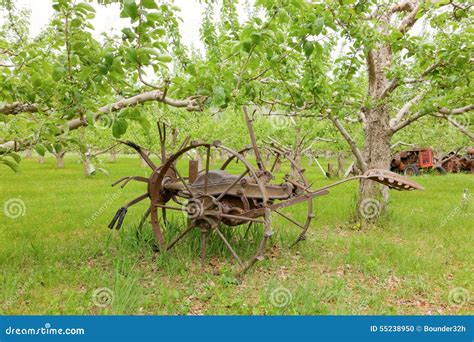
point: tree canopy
(318, 67)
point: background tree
(371, 70)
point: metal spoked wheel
(294, 175)
(208, 200)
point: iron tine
(121, 218)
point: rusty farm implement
(217, 200)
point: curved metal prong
(128, 179)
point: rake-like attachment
(214, 200)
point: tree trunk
(199, 157)
(214, 153)
(222, 155)
(331, 173)
(113, 155)
(28, 153)
(341, 160)
(296, 153)
(89, 169)
(60, 160)
(174, 137)
(297, 159)
(377, 132)
(40, 159)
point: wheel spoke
(261, 250)
(145, 216)
(163, 215)
(136, 200)
(175, 169)
(168, 207)
(289, 219)
(232, 185)
(155, 223)
(248, 229)
(228, 189)
(229, 247)
(180, 236)
(206, 180)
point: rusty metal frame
(225, 199)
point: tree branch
(407, 122)
(17, 108)
(425, 73)
(410, 19)
(405, 109)
(445, 113)
(192, 103)
(355, 150)
(456, 111)
(403, 6)
(460, 127)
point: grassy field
(59, 252)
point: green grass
(60, 251)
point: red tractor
(412, 161)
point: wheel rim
(302, 180)
(160, 198)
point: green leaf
(75, 22)
(130, 113)
(83, 7)
(149, 4)
(119, 128)
(308, 48)
(36, 80)
(130, 10)
(247, 46)
(90, 118)
(132, 55)
(318, 26)
(40, 149)
(164, 58)
(153, 16)
(256, 38)
(129, 34)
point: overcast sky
(108, 18)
